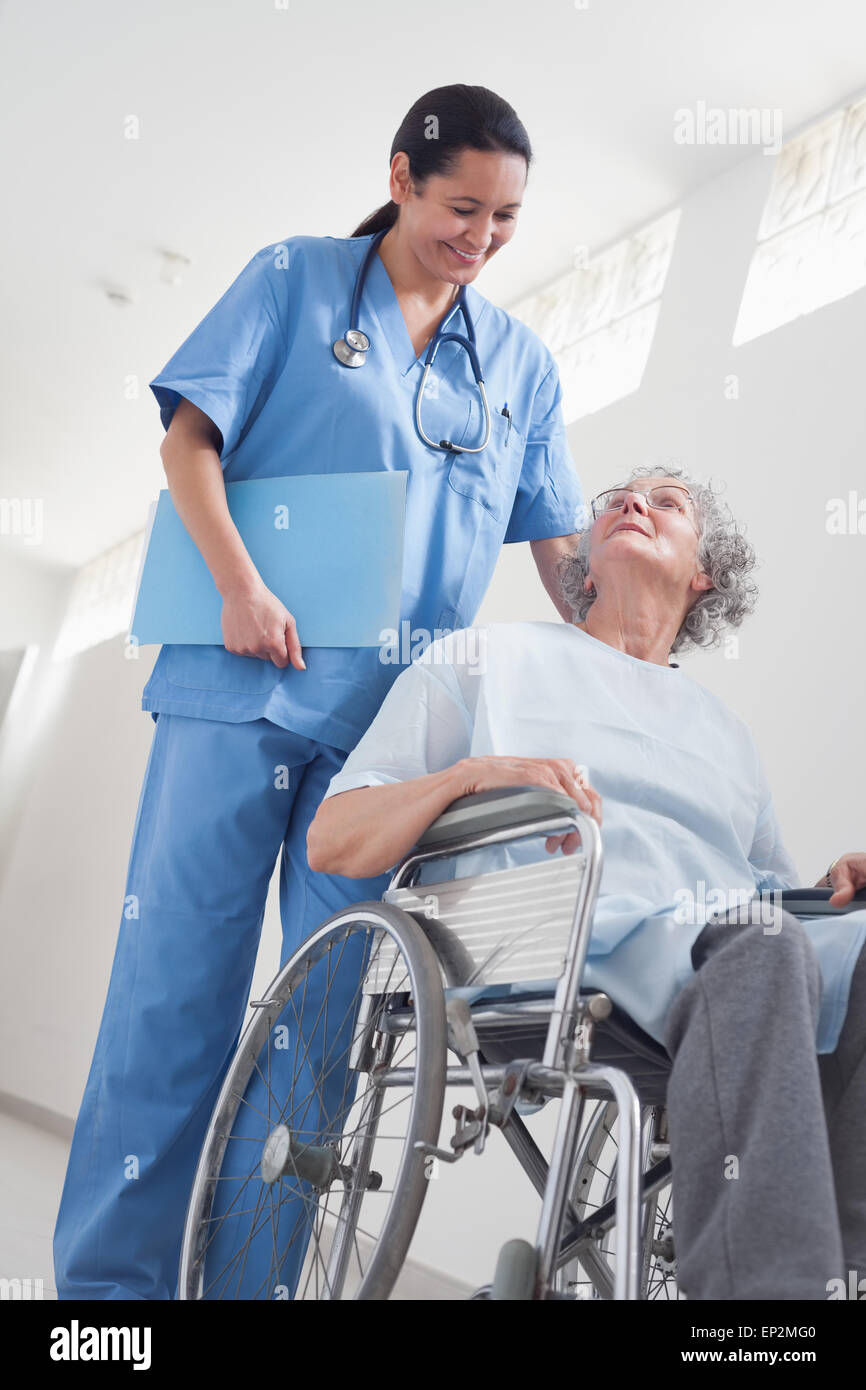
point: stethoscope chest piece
(352, 350)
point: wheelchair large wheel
(594, 1185)
(309, 1184)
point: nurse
(249, 734)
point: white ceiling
(258, 122)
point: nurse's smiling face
(455, 222)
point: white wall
(60, 895)
(792, 439)
(61, 898)
(33, 601)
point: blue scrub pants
(212, 816)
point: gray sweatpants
(768, 1139)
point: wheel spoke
(594, 1185)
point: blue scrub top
(261, 366)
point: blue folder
(330, 546)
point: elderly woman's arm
(365, 831)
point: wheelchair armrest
(494, 810)
(815, 902)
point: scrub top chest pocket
(490, 478)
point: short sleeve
(424, 724)
(549, 499)
(772, 864)
(228, 365)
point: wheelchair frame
(565, 1070)
(573, 1026)
(570, 1024)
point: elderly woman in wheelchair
(662, 967)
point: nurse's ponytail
(438, 127)
(383, 217)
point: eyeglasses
(666, 498)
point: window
(812, 239)
(599, 320)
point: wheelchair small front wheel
(310, 1180)
(516, 1272)
(594, 1186)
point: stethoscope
(352, 349)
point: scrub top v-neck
(261, 366)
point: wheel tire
(516, 1272)
(422, 981)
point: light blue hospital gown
(687, 813)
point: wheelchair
(329, 1117)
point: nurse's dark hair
(438, 127)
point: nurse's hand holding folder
(246, 570)
(254, 621)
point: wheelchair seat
(617, 1040)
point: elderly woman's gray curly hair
(724, 554)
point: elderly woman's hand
(847, 875)
(560, 774)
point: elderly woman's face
(633, 532)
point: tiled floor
(32, 1169)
